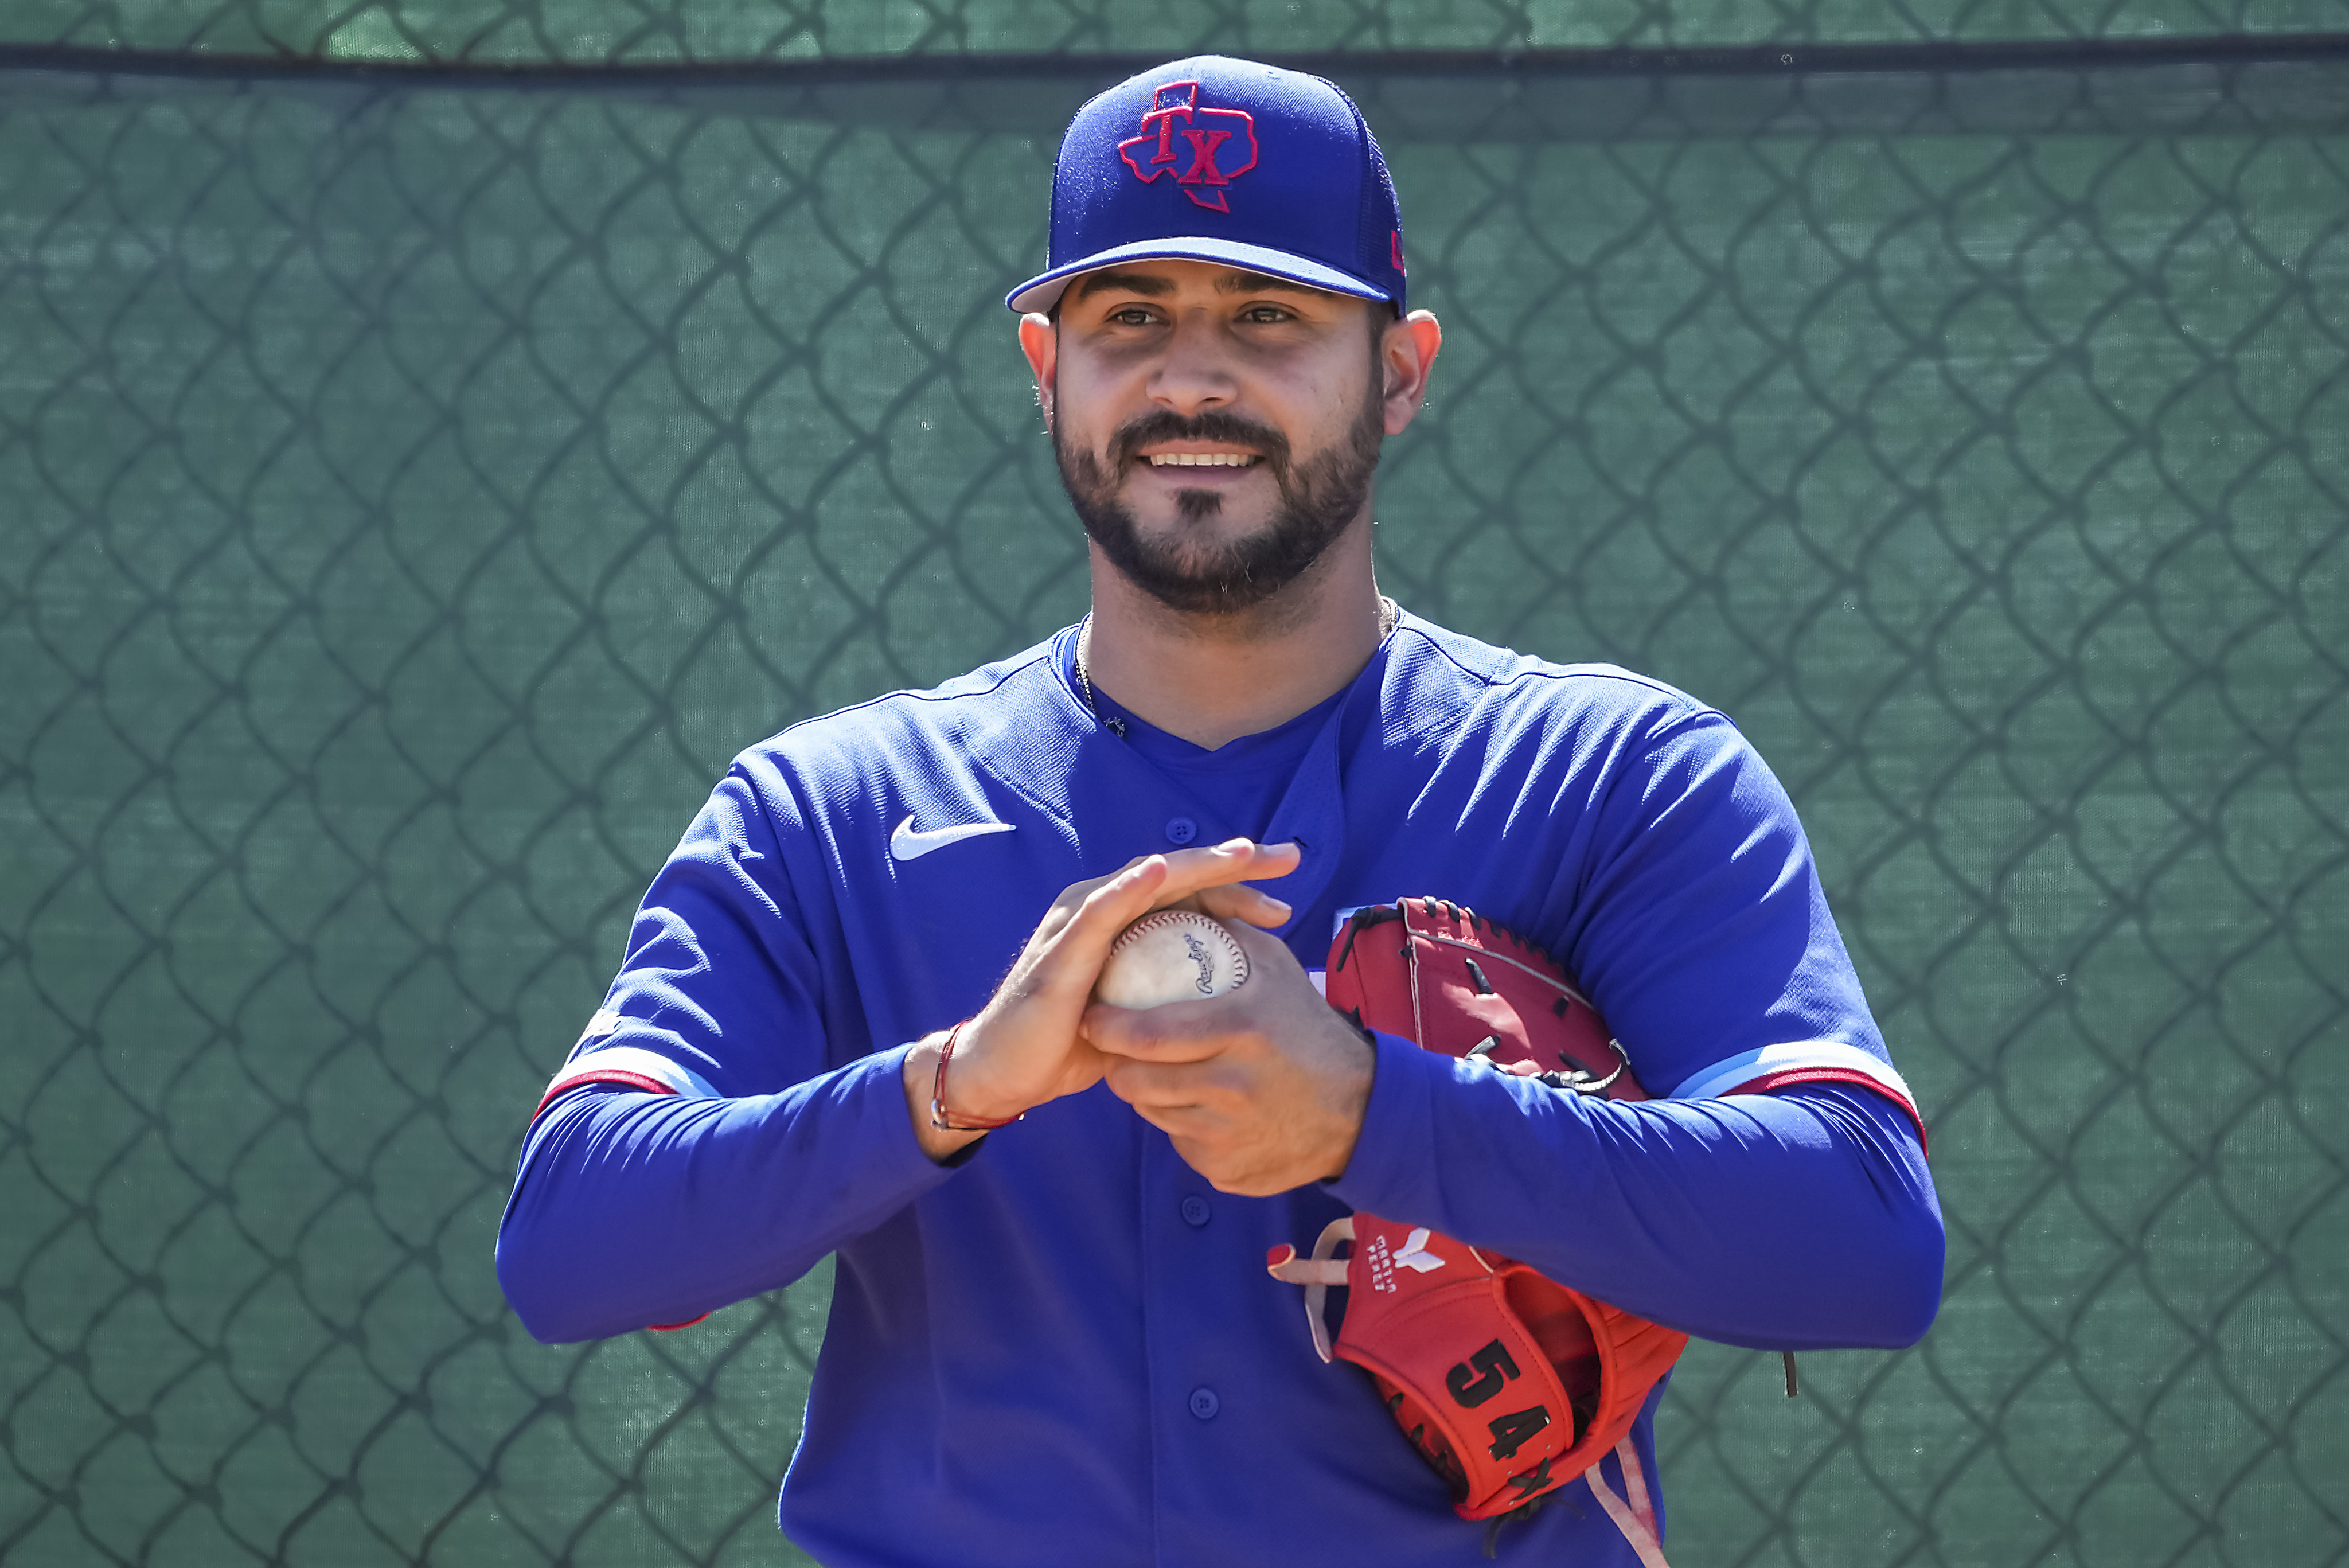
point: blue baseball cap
(1217, 159)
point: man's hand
(1024, 1047)
(1262, 1088)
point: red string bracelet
(938, 1116)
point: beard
(1318, 499)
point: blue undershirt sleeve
(635, 1208)
(787, 1133)
(1799, 1219)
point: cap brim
(1040, 292)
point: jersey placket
(1197, 1384)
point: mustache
(1215, 425)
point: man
(1057, 1341)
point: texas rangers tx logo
(1205, 149)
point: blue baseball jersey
(1062, 1345)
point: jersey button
(1195, 1209)
(1204, 1404)
(1181, 830)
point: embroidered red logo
(1205, 149)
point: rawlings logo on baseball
(1171, 956)
(1206, 983)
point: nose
(1196, 373)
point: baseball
(1171, 956)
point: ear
(1407, 354)
(1040, 341)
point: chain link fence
(598, 32)
(412, 494)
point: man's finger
(1158, 881)
(1157, 1088)
(1066, 954)
(1242, 901)
(1193, 872)
(1175, 1032)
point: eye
(1266, 315)
(1132, 316)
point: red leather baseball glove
(1509, 1384)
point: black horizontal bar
(1760, 59)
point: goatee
(1319, 498)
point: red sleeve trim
(602, 1076)
(1787, 1078)
(673, 1327)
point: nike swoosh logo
(907, 845)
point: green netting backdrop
(598, 31)
(412, 494)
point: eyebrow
(1151, 287)
(1140, 283)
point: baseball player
(853, 1016)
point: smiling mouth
(1204, 460)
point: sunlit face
(1216, 429)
